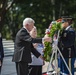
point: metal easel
(56, 71)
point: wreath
(53, 27)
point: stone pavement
(8, 67)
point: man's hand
(47, 39)
(35, 45)
(41, 57)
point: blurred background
(12, 13)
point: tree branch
(9, 5)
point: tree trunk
(3, 9)
(2, 19)
(53, 11)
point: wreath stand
(56, 71)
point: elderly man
(24, 47)
(66, 45)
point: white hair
(27, 21)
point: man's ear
(67, 23)
(26, 26)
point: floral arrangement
(53, 27)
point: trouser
(22, 68)
(63, 67)
(35, 70)
(1, 65)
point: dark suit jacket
(24, 47)
(67, 42)
(1, 49)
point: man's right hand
(47, 39)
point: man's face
(33, 32)
(30, 26)
(65, 24)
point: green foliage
(6, 32)
(48, 46)
(43, 12)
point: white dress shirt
(37, 61)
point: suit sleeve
(35, 52)
(70, 41)
(24, 35)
